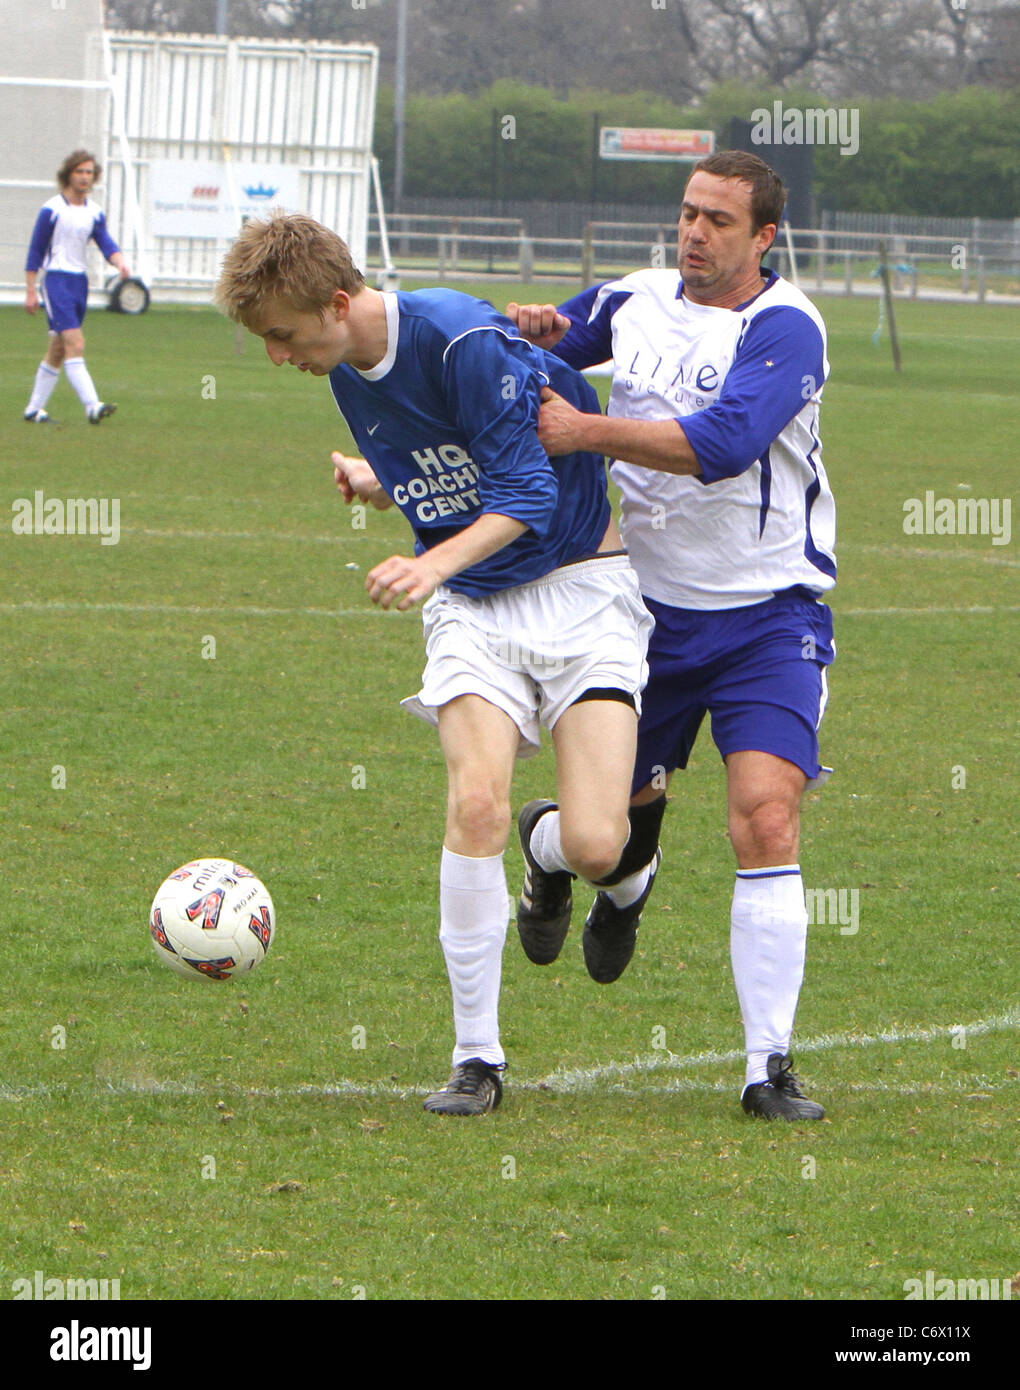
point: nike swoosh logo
(375, 427)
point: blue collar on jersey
(769, 278)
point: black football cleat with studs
(474, 1088)
(780, 1097)
(543, 910)
(610, 932)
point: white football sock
(473, 915)
(545, 844)
(46, 378)
(768, 937)
(629, 889)
(78, 376)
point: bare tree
(190, 16)
(912, 48)
(677, 49)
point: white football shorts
(534, 649)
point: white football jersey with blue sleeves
(62, 233)
(745, 384)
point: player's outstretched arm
(541, 324)
(657, 444)
(402, 580)
(355, 478)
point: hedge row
(953, 156)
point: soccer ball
(212, 919)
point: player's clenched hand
(541, 324)
(31, 302)
(559, 425)
(355, 478)
(403, 580)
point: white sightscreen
(43, 47)
(236, 114)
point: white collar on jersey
(383, 366)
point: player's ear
(765, 236)
(340, 305)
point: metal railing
(825, 259)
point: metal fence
(450, 239)
(960, 260)
(984, 236)
(504, 246)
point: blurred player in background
(58, 248)
(532, 614)
(727, 515)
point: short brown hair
(290, 257)
(768, 193)
(71, 163)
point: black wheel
(129, 297)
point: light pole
(400, 93)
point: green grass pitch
(216, 682)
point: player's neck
(369, 332)
(747, 289)
(76, 199)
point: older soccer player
(730, 523)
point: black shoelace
(786, 1081)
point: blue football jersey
(448, 421)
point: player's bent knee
(594, 852)
(645, 826)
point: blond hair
(291, 258)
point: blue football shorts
(759, 672)
(65, 296)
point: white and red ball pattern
(212, 919)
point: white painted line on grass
(928, 552)
(921, 612)
(239, 536)
(587, 1077)
(612, 1076)
(349, 537)
(371, 610)
(247, 611)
